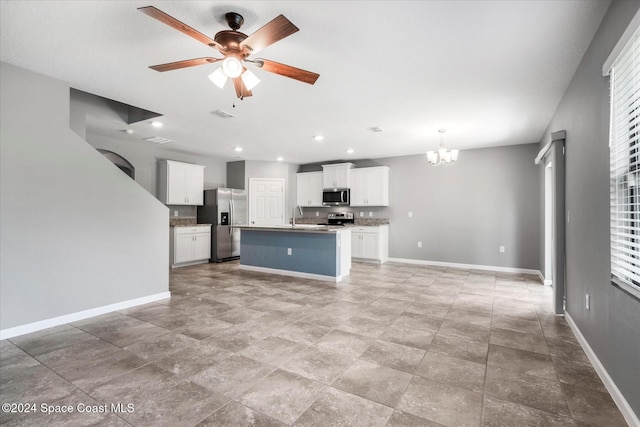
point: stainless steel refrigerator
(222, 208)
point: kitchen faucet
(293, 217)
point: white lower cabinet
(370, 243)
(190, 245)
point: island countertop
(298, 228)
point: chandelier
(442, 156)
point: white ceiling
(491, 72)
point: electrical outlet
(502, 250)
(419, 244)
(568, 217)
(289, 251)
(317, 213)
(587, 302)
(410, 214)
(175, 213)
(361, 214)
(370, 214)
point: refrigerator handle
(232, 217)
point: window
(625, 166)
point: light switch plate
(370, 214)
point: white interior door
(266, 201)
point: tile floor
(397, 345)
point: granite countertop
(184, 221)
(298, 228)
(359, 222)
(181, 221)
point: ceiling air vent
(158, 140)
(222, 114)
(375, 129)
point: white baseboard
(467, 266)
(618, 398)
(546, 282)
(334, 279)
(80, 315)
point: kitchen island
(303, 250)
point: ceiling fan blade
(287, 71)
(277, 29)
(178, 25)
(241, 89)
(183, 64)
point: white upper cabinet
(370, 186)
(309, 189)
(336, 175)
(180, 183)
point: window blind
(625, 167)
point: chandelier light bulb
(454, 155)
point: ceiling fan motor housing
(231, 40)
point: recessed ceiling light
(280, 158)
(128, 131)
(156, 124)
(318, 137)
(349, 150)
(237, 149)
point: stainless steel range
(340, 218)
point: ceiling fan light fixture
(250, 80)
(218, 77)
(232, 67)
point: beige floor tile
(394, 345)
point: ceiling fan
(236, 47)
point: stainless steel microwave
(335, 197)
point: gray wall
(235, 174)
(143, 155)
(461, 213)
(77, 233)
(612, 326)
